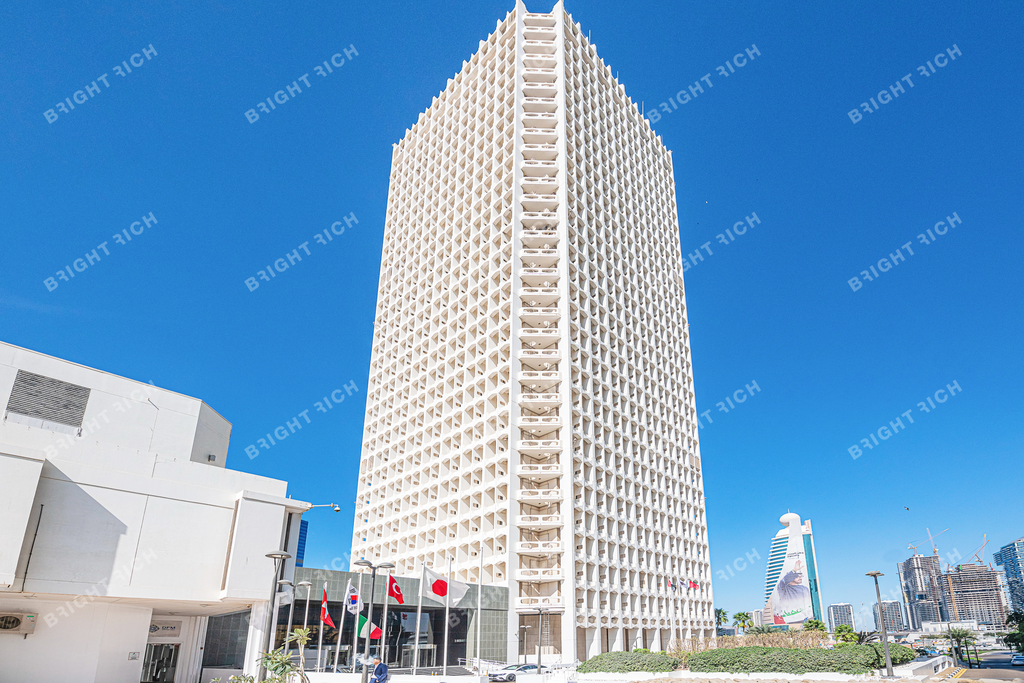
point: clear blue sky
(774, 307)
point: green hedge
(899, 654)
(624, 662)
(856, 659)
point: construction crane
(913, 547)
(931, 539)
(977, 553)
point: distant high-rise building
(300, 553)
(1011, 558)
(530, 409)
(893, 616)
(976, 592)
(840, 613)
(922, 585)
(791, 589)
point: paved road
(996, 667)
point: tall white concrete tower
(531, 395)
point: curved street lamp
(881, 618)
(278, 556)
(369, 618)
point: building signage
(165, 629)
(790, 601)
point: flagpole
(355, 625)
(479, 609)
(447, 605)
(419, 611)
(320, 644)
(337, 645)
(384, 622)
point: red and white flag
(395, 591)
(437, 587)
(325, 618)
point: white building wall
(123, 517)
(531, 394)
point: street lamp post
(291, 610)
(522, 640)
(278, 557)
(881, 618)
(305, 618)
(369, 617)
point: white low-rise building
(121, 531)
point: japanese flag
(437, 587)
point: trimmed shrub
(857, 659)
(899, 654)
(624, 662)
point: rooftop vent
(39, 401)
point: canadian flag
(324, 616)
(437, 587)
(395, 591)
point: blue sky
(774, 307)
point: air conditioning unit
(17, 623)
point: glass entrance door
(160, 663)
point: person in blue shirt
(380, 671)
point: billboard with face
(790, 601)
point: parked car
(510, 672)
(1017, 660)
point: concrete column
(593, 642)
(616, 639)
(656, 641)
(257, 637)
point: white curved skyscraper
(530, 398)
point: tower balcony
(539, 523)
(538, 19)
(539, 359)
(538, 277)
(539, 219)
(536, 119)
(542, 168)
(539, 548)
(539, 33)
(540, 151)
(531, 604)
(539, 296)
(540, 426)
(540, 472)
(539, 315)
(539, 202)
(539, 238)
(540, 104)
(539, 381)
(539, 90)
(539, 258)
(540, 75)
(541, 336)
(539, 447)
(540, 47)
(539, 495)
(539, 135)
(537, 402)
(540, 185)
(546, 574)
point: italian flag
(364, 626)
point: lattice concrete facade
(531, 395)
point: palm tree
(741, 620)
(721, 617)
(959, 637)
(867, 637)
(760, 630)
